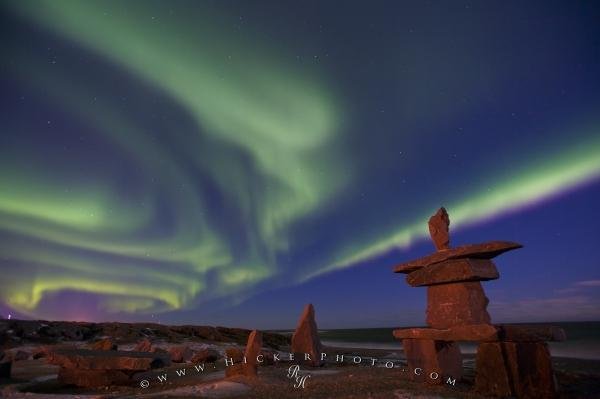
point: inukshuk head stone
(439, 226)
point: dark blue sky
(228, 162)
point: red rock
(236, 356)
(107, 360)
(205, 356)
(180, 354)
(521, 369)
(305, 339)
(486, 250)
(253, 348)
(455, 304)
(492, 377)
(144, 345)
(441, 357)
(105, 344)
(455, 270)
(475, 332)
(92, 378)
(439, 225)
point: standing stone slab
(521, 369)
(452, 271)
(305, 340)
(456, 304)
(253, 348)
(441, 357)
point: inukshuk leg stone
(432, 361)
(521, 369)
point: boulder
(180, 354)
(455, 304)
(234, 358)
(439, 226)
(144, 345)
(521, 369)
(107, 360)
(452, 271)
(205, 356)
(92, 378)
(105, 344)
(487, 250)
(440, 357)
(305, 340)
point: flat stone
(439, 226)
(107, 360)
(92, 378)
(476, 332)
(487, 250)
(441, 357)
(456, 304)
(455, 270)
(521, 369)
(305, 339)
(525, 333)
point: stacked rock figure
(511, 360)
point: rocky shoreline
(32, 348)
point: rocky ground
(33, 377)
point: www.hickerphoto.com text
(324, 357)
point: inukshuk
(511, 360)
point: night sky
(226, 162)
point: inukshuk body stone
(511, 360)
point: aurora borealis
(203, 162)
